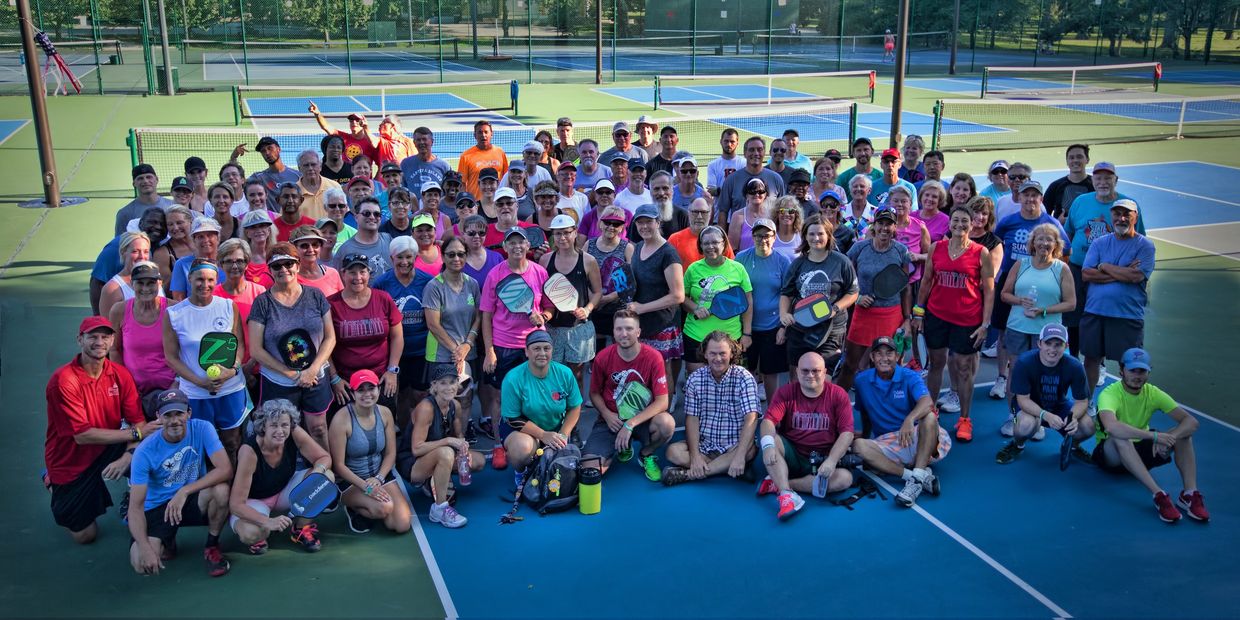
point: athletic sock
(1189, 491)
(213, 540)
(920, 474)
(907, 475)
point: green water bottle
(590, 488)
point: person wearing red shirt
(291, 218)
(87, 399)
(807, 421)
(357, 141)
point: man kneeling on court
(171, 488)
(721, 415)
(1041, 379)
(907, 433)
(1126, 441)
(628, 386)
(805, 420)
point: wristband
(628, 426)
(1041, 416)
(336, 379)
(767, 442)
(1155, 436)
(918, 312)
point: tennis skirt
(870, 323)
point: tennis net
(973, 124)
(821, 126)
(846, 47)
(762, 89)
(391, 54)
(702, 45)
(1059, 81)
(341, 101)
(107, 51)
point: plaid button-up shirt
(720, 406)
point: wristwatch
(394, 370)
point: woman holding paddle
(450, 307)
(572, 333)
(363, 447)
(266, 474)
(706, 281)
(821, 286)
(953, 310)
(204, 320)
(292, 338)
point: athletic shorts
(764, 356)
(940, 334)
(870, 323)
(798, 465)
(572, 345)
(224, 412)
(602, 442)
(76, 505)
(1018, 342)
(669, 343)
(191, 516)
(604, 323)
(830, 349)
(1108, 337)
(505, 360)
(1145, 449)
(313, 400)
(413, 369)
(889, 444)
(278, 503)
(693, 351)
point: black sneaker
(471, 433)
(486, 427)
(1082, 455)
(849, 461)
(1008, 453)
(217, 564)
(332, 506)
(357, 523)
(673, 475)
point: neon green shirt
(1135, 410)
(702, 283)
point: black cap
(488, 173)
(182, 183)
(464, 197)
(390, 167)
(862, 140)
(265, 141)
(194, 163)
(451, 176)
(142, 169)
(798, 176)
(637, 163)
(884, 341)
(834, 155)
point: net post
(348, 45)
(985, 80)
(1072, 86)
(236, 101)
(245, 53)
(938, 125)
(132, 142)
(94, 37)
(852, 124)
(1179, 126)
(656, 92)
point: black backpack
(550, 484)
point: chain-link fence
(117, 45)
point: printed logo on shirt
(362, 328)
(221, 324)
(711, 286)
(951, 279)
(181, 468)
(114, 390)
(411, 310)
(557, 396)
(810, 421)
(813, 282)
(1095, 228)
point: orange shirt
(685, 243)
(472, 162)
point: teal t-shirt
(702, 283)
(1088, 220)
(544, 401)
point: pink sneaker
(767, 487)
(1166, 510)
(789, 504)
(1195, 505)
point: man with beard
(622, 140)
(291, 217)
(154, 223)
(147, 183)
(732, 192)
(863, 152)
(726, 163)
(482, 155)
(672, 219)
(276, 172)
(592, 169)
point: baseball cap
(91, 323)
(391, 166)
(685, 159)
(649, 211)
(488, 173)
(144, 270)
(516, 230)
(564, 121)
(533, 146)
(619, 127)
(142, 169)
(562, 221)
(798, 176)
(326, 221)
(505, 192)
(516, 164)
(194, 163)
(646, 120)
(998, 164)
(537, 336)
(1051, 331)
(1031, 184)
(266, 141)
(891, 154)
(256, 218)
(1135, 358)
(1124, 203)
(205, 224)
(422, 219)
(182, 183)
(885, 213)
(567, 165)
(354, 258)
(833, 155)
(171, 400)
(636, 163)
(619, 157)
(431, 185)
(355, 180)
(883, 341)
(831, 193)
(441, 371)
(604, 183)
(451, 176)
(667, 129)
(310, 233)
(356, 117)
(862, 140)
(764, 222)
(1104, 166)
(464, 197)
(362, 377)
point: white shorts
(907, 455)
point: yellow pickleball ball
(214, 371)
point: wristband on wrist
(628, 426)
(1155, 435)
(918, 311)
(336, 379)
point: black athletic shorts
(76, 505)
(158, 527)
(1145, 449)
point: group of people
(368, 313)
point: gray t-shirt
(456, 313)
(732, 193)
(377, 252)
(301, 321)
(416, 172)
(272, 180)
(135, 209)
(585, 181)
(868, 262)
(634, 151)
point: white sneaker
(1093, 409)
(1008, 429)
(929, 482)
(950, 402)
(991, 351)
(1041, 434)
(998, 391)
(909, 494)
(447, 516)
(1102, 376)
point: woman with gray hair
(135, 247)
(859, 213)
(337, 206)
(267, 472)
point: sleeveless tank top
(191, 323)
(267, 480)
(144, 350)
(1046, 281)
(957, 293)
(363, 453)
(576, 276)
(607, 263)
(787, 248)
(746, 232)
(439, 428)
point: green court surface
(46, 256)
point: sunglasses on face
(475, 233)
(778, 150)
(688, 171)
(454, 255)
(613, 223)
(605, 192)
(370, 213)
(756, 192)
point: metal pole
(148, 61)
(279, 30)
(438, 40)
(169, 88)
(598, 41)
(184, 26)
(1149, 25)
(409, 6)
(245, 47)
(348, 52)
(977, 20)
(1098, 44)
(951, 65)
(693, 7)
(95, 36)
(38, 107)
(770, 24)
(529, 38)
(1037, 33)
(473, 18)
(839, 46)
(897, 93)
(615, 27)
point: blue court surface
(9, 127)
(1220, 77)
(655, 62)
(1167, 113)
(973, 85)
(1017, 541)
(722, 94)
(363, 104)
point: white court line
(233, 58)
(1209, 163)
(1199, 412)
(982, 555)
(1173, 191)
(15, 130)
(360, 104)
(432, 566)
(1193, 247)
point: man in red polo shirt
(87, 399)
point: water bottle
(820, 482)
(590, 488)
(464, 476)
(1033, 293)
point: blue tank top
(363, 453)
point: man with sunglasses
(998, 188)
(687, 188)
(623, 145)
(1017, 174)
(732, 193)
(686, 240)
(368, 240)
(779, 149)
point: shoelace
(312, 530)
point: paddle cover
(634, 398)
(623, 282)
(812, 311)
(217, 348)
(561, 292)
(297, 349)
(729, 303)
(311, 496)
(515, 293)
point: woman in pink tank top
(953, 311)
(139, 343)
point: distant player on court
(889, 46)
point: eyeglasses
(756, 192)
(454, 255)
(306, 245)
(337, 205)
(234, 262)
(705, 212)
(569, 232)
(763, 237)
(370, 214)
(505, 202)
(475, 233)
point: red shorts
(889, 47)
(870, 323)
